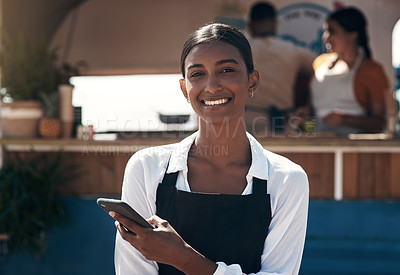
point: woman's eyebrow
(226, 61)
(195, 66)
(220, 62)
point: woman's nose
(213, 84)
(325, 36)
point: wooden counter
(365, 167)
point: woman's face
(337, 39)
(217, 82)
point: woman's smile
(216, 103)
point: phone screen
(122, 208)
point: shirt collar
(179, 155)
(259, 165)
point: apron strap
(170, 179)
(259, 186)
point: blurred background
(126, 53)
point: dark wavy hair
(353, 20)
(262, 10)
(215, 33)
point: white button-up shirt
(287, 186)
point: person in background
(285, 71)
(349, 87)
(219, 201)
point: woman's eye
(227, 70)
(196, 74)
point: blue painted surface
(83, 246)
(350, 237)
(342, 238)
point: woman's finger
(157, 221)
(127, 223)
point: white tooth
(215, 102)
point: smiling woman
(349, 88)
(219, 202)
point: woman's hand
(301, 114)
(334, 119)
(163, 244)
(160, 244)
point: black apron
(224, 228)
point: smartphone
(122, 208)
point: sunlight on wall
(396, 45)
(132, 102)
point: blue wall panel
(82, 246)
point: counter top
(310, 141)
(358, 166)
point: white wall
(123, 36)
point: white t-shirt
(278, 63)
(287, 186)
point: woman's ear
(353, 37)
(183, 88)
(253, 80)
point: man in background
(285, 70)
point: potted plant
(30, 202)
(27, 69)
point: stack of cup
(66, 109)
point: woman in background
(349, 87)
(220, 202)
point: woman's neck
(349, 56)
(223, 143)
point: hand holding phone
(122, 208)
